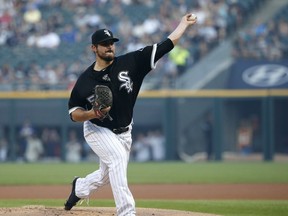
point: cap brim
(108, 39)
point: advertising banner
(252, 74)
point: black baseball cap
(103, 35)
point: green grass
(223, 207)
(257, 172)
(161, 173)
(146, 173)
(227, 208)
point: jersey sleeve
(149, 55)
(145, 58)
(163, 48)
(75, 102)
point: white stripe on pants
(113, 151)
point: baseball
(192, 17)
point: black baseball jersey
(124, 77)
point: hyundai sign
(252, 74)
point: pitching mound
(87, 211)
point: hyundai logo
(267, 75)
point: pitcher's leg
(93, 181)
(117, 161)
(115, 155)
(124, 200)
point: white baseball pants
(113, 151)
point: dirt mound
(87, 211)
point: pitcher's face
(105, 50)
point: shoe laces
(87, 200)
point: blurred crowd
(45, 144)
(45, 44)
(148, 146)
(264, 40)
(34, 144)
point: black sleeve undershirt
(163, 48)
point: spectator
(22, 27)
(157, 142)
(6, 73)
(3, 146)
(32, 15)
(48, 40)
(51, 142)
(5, 18)
(69, 35)
(207, 128)
(263, 41)
(3, 149)
(34, 149)
(283, 35)
(179, 56)
(84, 18)
(26, 130)
(51, 76)
(170, 73)
(151, 25)
(209, 33)
(73, 148)
(245, 137)
(141, 148)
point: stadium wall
(179, 114)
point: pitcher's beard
(108, 58)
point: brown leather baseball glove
(103, 98)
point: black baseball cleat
(73, 199)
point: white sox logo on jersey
(126, 81)
(107, 32)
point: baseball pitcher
(103, 99)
